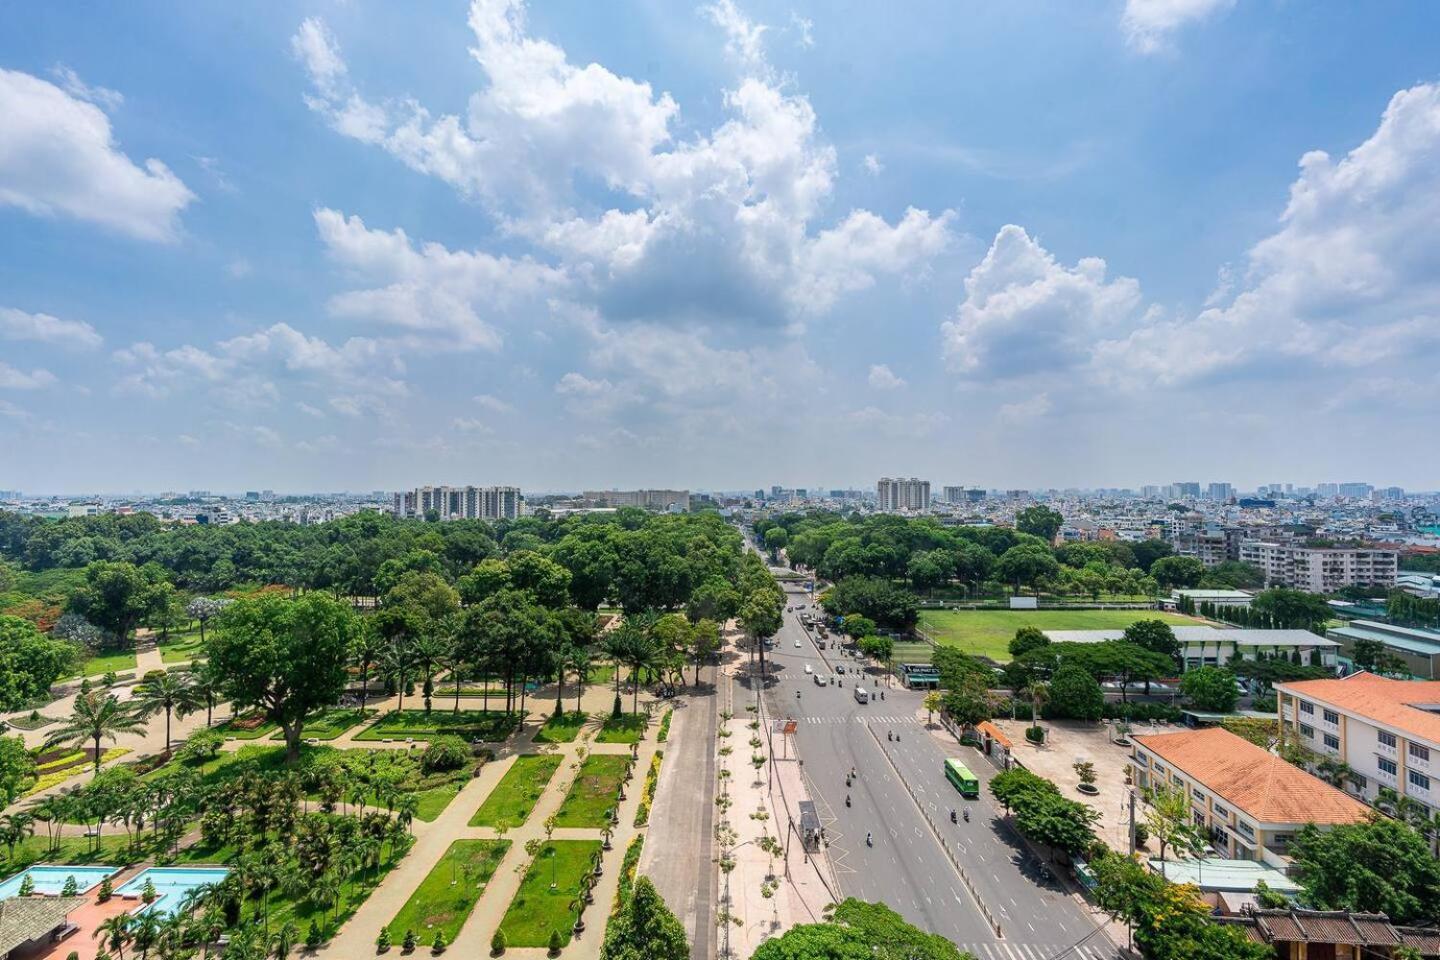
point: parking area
(1070, 742)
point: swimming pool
(172, 883)
(50, 879)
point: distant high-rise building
(252, 495)
(952, 495)
(1327, 489)
(458, 503)
(1220, 491)
(1184, 489)
(896, 495)
(676, 501)
(1150, 491)
(9, 494)
(1355, 489)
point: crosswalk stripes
(870, 719)
(1008, 950)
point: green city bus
(962, 779)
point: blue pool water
(51, 880)
(171, 883)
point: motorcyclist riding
(869, 841)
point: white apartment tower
(459, 503)
(895, 495)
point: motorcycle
(869, 840)
(952, 817)
(967, 814)
(847, 799)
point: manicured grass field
(626, 728)
(537, 909)
(562, 729)
(987, 633)
(467, 724)
(594, 791)
(446, 896)
(247, 726)
(328, 724)
(114, 661)
(181, 646)
(517, 792)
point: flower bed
(647, 793)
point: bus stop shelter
(809, 825)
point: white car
(809, 669)
(797, 644)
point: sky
(347, 244)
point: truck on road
(862, 695)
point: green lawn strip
(628, 868)
(114, 661)
(111, 848)
(647, 792)
(25, 723)
(180, 647)
(562, 729)
(467, 724)
(538, 909)
(327, 724)
(626, 728)
(247, 726)
(594, 791)
(987, 633)
(601, 673)
(446, 896)
(518, 791)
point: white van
(862, 695)
(820, 681)
(809, 668)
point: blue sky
(561, 244)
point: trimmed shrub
(445, 753)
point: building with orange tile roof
(1249, 801)
(1387, 731)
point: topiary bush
(497, 942)
(555, 943)
(382, 942)
(445, 753)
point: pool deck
(86, 919)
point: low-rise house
(1250, 802)
(1216, 646)
(1418, 648)
(1296, 934)
(1387, 732)
(28, 924)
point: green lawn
(113, 661)
(594, 791)
(913, 651)
(446, 896)
(987, 633)
(468, 724)
(181, 646)
(328, 724)
(113, 848)
(562, 729)
(626, 728)
(517, 792)
(538, 908)
(247, 726)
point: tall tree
(117, 596)
(645, 929)
(95, 717)
(1039, 521)
(1377, 866)
(164, 692)
(285, 657)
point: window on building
(1160, 768)
(1331, 716)
(1175, 779)
(1419, 752)
(1246, 829)
(1220, 811)
(1359, 781)
(1332, 741)
(1387, 766)
(1307, 731)
(1142, 759)
(1306, 706)
(1418, 779)
(1199, 795)
(1386, 739)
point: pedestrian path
(868, 719)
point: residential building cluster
(458, 503)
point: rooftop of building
(1198, 594)
(1252, 780)
(1221, 874)
(1238, 636)
(1411, 639)
(1410, 706)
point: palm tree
(406, 806)
(15, 828)
(397, 662)
(166, 693)
(426, 652)
(1039, 692)
(284, 940)
(580, 660)
(95, 717)
(206, 687)
(116, 930)
(367, 648)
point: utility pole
(1132, 821)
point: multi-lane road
(906, 867)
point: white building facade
(896, 495)
(458, 503)
(1320, 569)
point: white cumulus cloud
(58, 157)
(883, 378)
(1149, 24)
(19, 325)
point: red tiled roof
(1252, 780)
(1390, 702)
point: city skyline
(544, 246)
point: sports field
(987, 633)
